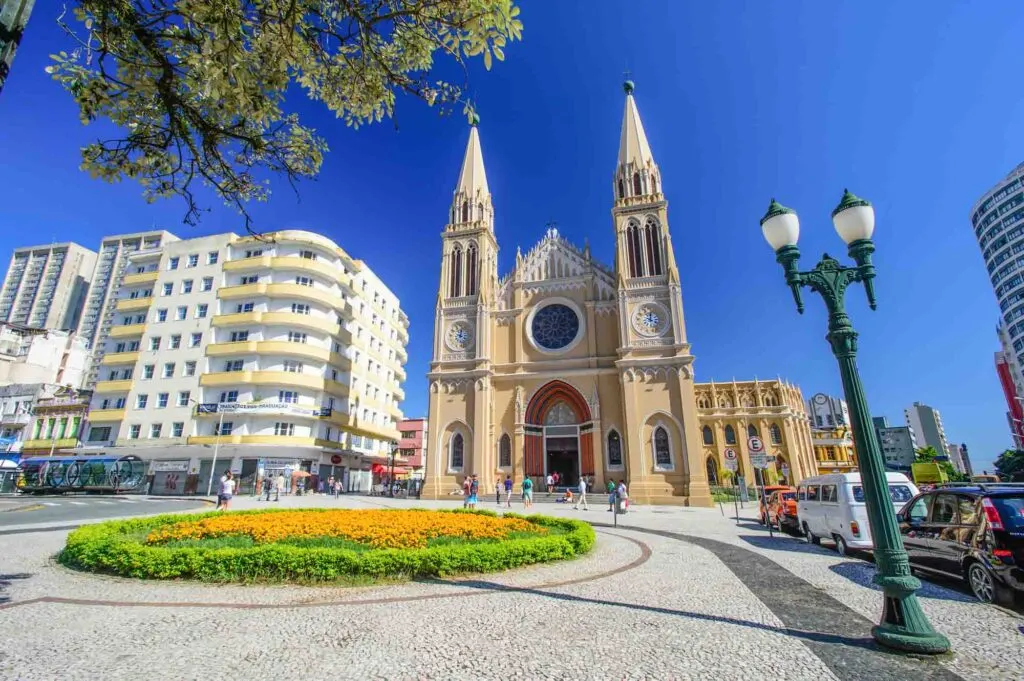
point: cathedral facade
(569, 365)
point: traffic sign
(759, 460)
(785, 470)
(755, 445)
(731, 460)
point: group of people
(503, 489)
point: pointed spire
(633, 146)
(473, 178)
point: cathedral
(569, 365)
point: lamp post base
(899, 638)
(904, 626)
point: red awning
(381, 469)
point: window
(234, 365)
(455, 273)
(287, 429)
(662, 451)
(455, 452)
(190, 369)
(752, 431)
(730, 435)
(828, 494)
(172, 263)
(918, 513)
(944, 509)
(175, 341)
(168, 370)
(120, 347)
(293, 367)
(471, 270)
(161, 315)
(181, 313)
(141, 401)
(183, 398)
(177, 429)
(229, 396)
(168, 288)
(193, 260)
(289, 396)
(303, 281)
(652, 237)
(633, 250)
(505, 452)
(239, 336)
(249, 279)
(161, 400)
(186, 286)
(243, 307)
(212, 257)
(134, 431)
(614, 450)
(300, 308)
(104, 404)
(201, 310)
(776, 434)
(224, 428)
(195, 340)
(813, 493)
(147, 371)
(709, 437)
(254, 253)
(207, 284)
(99, 434)
(308, 255)
(119, 403)
(154, 429)
(296, 337)
(154, 343)
(968, 508)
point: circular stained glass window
(555, 326)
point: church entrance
(563, 457)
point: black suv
(973, 532)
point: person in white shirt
(227, 490)
(582, 499)
(550, 480)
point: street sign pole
(731, 464)
(759, 461)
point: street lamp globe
(780, 226)
(854, 218)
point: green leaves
(198, 86)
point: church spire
(636, 174)
(472, 199)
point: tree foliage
(197, 87)
(929, 454)
(1010, 465)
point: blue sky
(913, 107)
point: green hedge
(118, 548)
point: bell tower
(655, 364)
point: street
(16, 511)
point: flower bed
(322, 545)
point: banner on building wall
(274, 408)
(168, 466)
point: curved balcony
(276, 440)
(113, 386)
(132, 304)
(279, 348)
(289, 319)
(283, 378)
(140, 278)
(328, 299)
(121, 358)
(127, 331)
(106, 415)
(291, 262)
(358, 426)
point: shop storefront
(169, 477)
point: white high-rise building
(111, 270)
(271, 354)
(998, 222)
(927, 426)
(45, 286)
(827, 412)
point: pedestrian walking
(582, 499)
(623, 495)
(474, 491)
(466, 484)
(556, 478)
(227, 490)
(611, 495)
(337, 488)
(268, 485)
(508, 491)
(279, 487)
(330, 485)
(497, 491)
(550, 480)
(527, 493)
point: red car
(762, 511)
(782, 510)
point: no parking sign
(731, 461)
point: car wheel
(809, 536)
(982, 585)
(778, 525)
(841, 547)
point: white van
(832, 507)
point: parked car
(762, 508)
(832, 507)
(973, 532)
(782, 511)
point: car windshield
(900, 494)
(789, 496)
(1011, 510)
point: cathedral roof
(633, 146)
(473, 178)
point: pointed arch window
(637, 187)
(776, 434)
(634, 250)
(752, 431)
(712, 468)
(505, 452)
(614, 450)
(471, 270)
(654, 184)
(730, 435)
(622, 189)
(455, 452)
(465, 211)
(653, 238)
(455, 270)
(709, 437)
(662, 450)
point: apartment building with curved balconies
(278, 352)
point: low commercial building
(57, 423)
(270, 355)
(34, 355)
(897, 443)
(412, 445)
(833, 450)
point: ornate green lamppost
(904, 625)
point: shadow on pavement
(5, 581)
(784, 543)
(862, 574)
